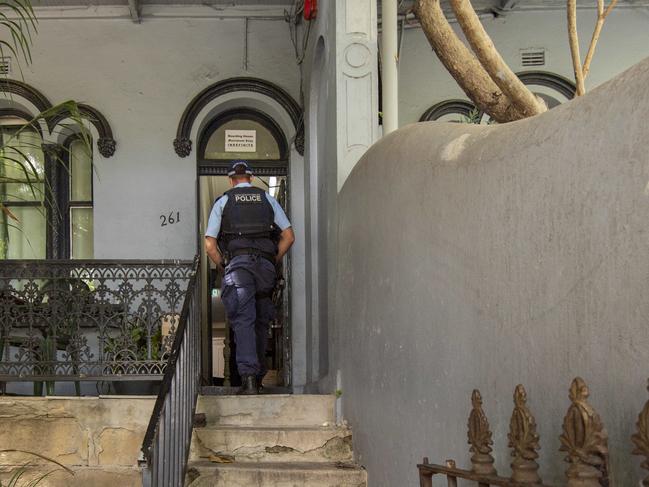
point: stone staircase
(271, 441)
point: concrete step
(80, 476)
(284, 444)
(206, 474)
(268, 410)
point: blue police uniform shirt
(214, 222)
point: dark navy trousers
(248, 283)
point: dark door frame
(219, 167)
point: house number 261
(170, 219)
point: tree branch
(610, 8)
(601, 17)
(574, 47)
(462, 64)
(525, 101)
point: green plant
(22, 175)
(474, 116)
(18, 168)
(75, 289)
(22, 470)
(17, 17)
(139, 335)
(131, 342)
(477, 117)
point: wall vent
(533, 57)
(5, 66)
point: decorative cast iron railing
(166, 443)
(89, 320)
(584, 440)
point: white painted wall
(423, 81)
(341, 100)
(141, 77)
(321, 130)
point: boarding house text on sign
(240, 141)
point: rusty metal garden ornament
(641, 439)
(524, 441)
(480, 438)
(585, 440)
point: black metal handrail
(74, 320)
(166, 443)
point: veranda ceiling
(405, 5)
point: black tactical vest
(247, 222)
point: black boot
(260, 385)
(248, 386)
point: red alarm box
(310, 9)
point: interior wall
(423, 80)
(211, 188)
(487, 256)
(141, 77)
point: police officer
(248, 233)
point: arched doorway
(250, 134)
(250, 101)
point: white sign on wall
(240, 141)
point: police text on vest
(247, 198)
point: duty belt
(250, 251)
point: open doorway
(250, 135)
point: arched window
(243, 134)
(552, 88)
(46, 191)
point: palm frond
(38, 480)
(21, 23)
(13, 481)
(17, 163)
(42, 457)
(18, 474)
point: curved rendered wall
(484, 256)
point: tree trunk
(463, 65)
(525, 101)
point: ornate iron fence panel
(584, 440)
(89, 320)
